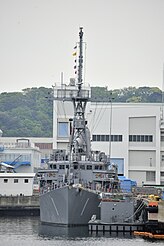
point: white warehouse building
(136, 132)
(23, 155)
(14, 184)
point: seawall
(19, 205)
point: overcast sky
(125, 42)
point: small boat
(148, 234)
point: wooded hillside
(29, 113)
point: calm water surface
(28, 231)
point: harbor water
(24, 231)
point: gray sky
(125, 42)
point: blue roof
(18, 163)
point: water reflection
(52, 231)
(29, 231)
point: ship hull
(68, 206)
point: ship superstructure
(71, 195)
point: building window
(15, 180)
(130, 138)
(150, 138)
(107, 138)
(98, 138)
(162, 136)
(140, 138)
(102, 138)
(94, 138)
(150, 176)
(5, 180)
(26, 181)
(115, 138)
(120, 138)
(63, 129)
(162, 174)
(146, 138)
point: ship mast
(80, 66)
(80, 139)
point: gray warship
(72, 185)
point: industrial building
(132, 134)
(15, 184)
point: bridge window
(61, 167)
(82, 167)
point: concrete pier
(19, 205)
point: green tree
(30, 113)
